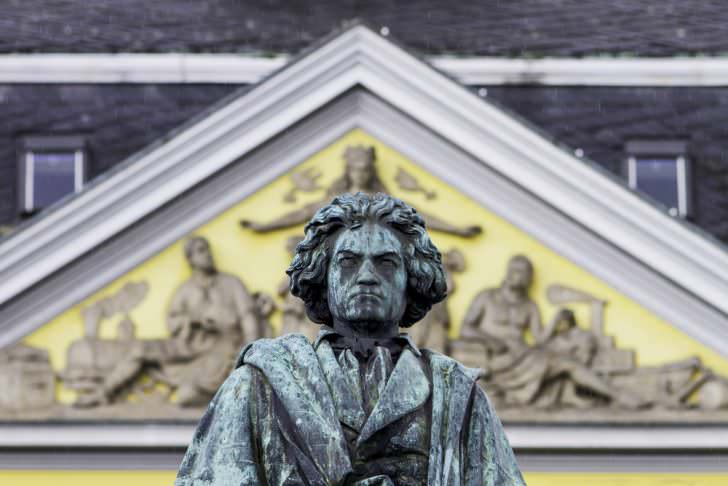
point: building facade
(578, 204)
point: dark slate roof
(120, 120)
(116, 120)
(493, 28)
(601, 120)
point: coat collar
(407, 389)
(327, 333)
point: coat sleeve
(488, 458)
(222, 449)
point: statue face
(367, 280)
(519, 274)
(199, 255)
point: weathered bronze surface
(363, 405)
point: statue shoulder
(440, 363)
(286, 350)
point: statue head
(199, 255)
(519, 274)
(367, 263)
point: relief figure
(360, 175)
(210, 317)
(548, 370)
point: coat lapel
(452, 387)
(291, 366)
(347, 402)
(407, 390)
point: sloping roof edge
(360, 57)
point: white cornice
(245, 69)
(554, 438)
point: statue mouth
(366, 295)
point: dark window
(50, 169)
(660, 170)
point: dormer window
(660, 169)
(50, 168)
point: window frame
(663, 149)
(29, 146)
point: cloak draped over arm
(238, 430)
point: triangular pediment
(464, 160)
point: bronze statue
(362, 405)
(360, 175)
(210, 316)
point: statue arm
(473, 316)
(487, 455)
(239, 439)
(535, 325)
(547, 333)
(222, 449)
(288, 220)
(471, 325)
(178, 316)
(437, 224)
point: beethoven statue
(362, 405)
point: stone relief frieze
(563, 371)
(535, 369)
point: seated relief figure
(547, 371)
(210, 317)
(362, 405)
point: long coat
(278, 420)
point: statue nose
(367, 276)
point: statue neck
(366, 329)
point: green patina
(362, 405)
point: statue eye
(389, 263)
(347, 261)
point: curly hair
(426, 284)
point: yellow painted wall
(260, 261)
(166, 478)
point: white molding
(245, 69)
(136, 68)
(674, 71)
(521, 437)
(584, 438)
(111, 435)
(361, 58)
